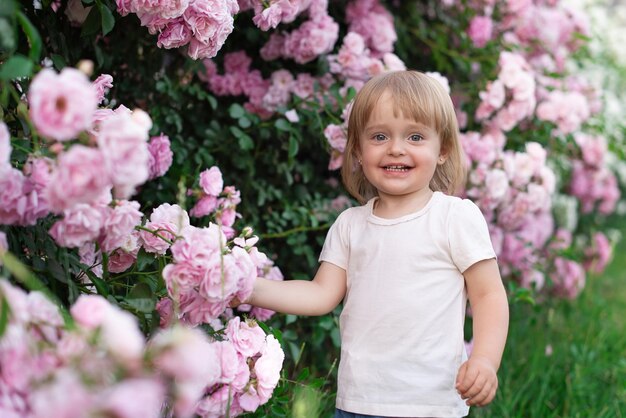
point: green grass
(585, 376)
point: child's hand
(235, 302)
(477, 381)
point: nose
(396, 147)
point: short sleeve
(336, 248)
(468, 235)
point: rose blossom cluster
(544, 32)
(513, 190)
(50, 370)
(22, 192)
(116, 155)
(511, 97)
(365, 15)
(62, 107)
(548, 31)
(355, 63)
(265, 96)
(207, 273)
(592, 182)
(567, 276)
(269, 14)
(201, 25)
(314, 37)
(337, 138)
(250, 370)
(217, 200)
(480, 30)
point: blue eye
(379, 137)
(415, 137)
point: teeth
(396, 168)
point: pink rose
(160, 156)
(121, 260)
(156, 239)
(598, 255)
(133, 397)
(569, 279)
(480, 30)
(165, 309)
(205, 206)
(79, 178)
(210, 22)
(227, 355)
(79, 225)
(61, 105)
(273, 48)
(121, 336)
(89, 310)
(101, 85)
(174, 35)
(167, 9)
(247, 337)
(267, 367)
(211, 181)
(12, 185)
(122, 138)
(336, 137)
(119, 224)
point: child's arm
(477, 380)
(302, 297)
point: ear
(443, 157)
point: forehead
(389, 106)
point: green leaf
(93, 23)
(16, 66)
(34, 40)
(244, 122)
(141, 298)
(303, 375)
(236, 111)
(58, 61)
(4, 314)
(245, 142)
(282, 125)
(101, 285)
(8, 41)
(7, 8)
(293, 146)
(108, 21)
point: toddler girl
(405, 262)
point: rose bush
(94, 195)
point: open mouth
(397, 168)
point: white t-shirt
(402, 320)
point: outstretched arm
(477, 380)
(302, 297)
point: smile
(397, 168)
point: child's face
(398, 155)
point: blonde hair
(415, 95)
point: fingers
(483, 396)
(475, 385)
